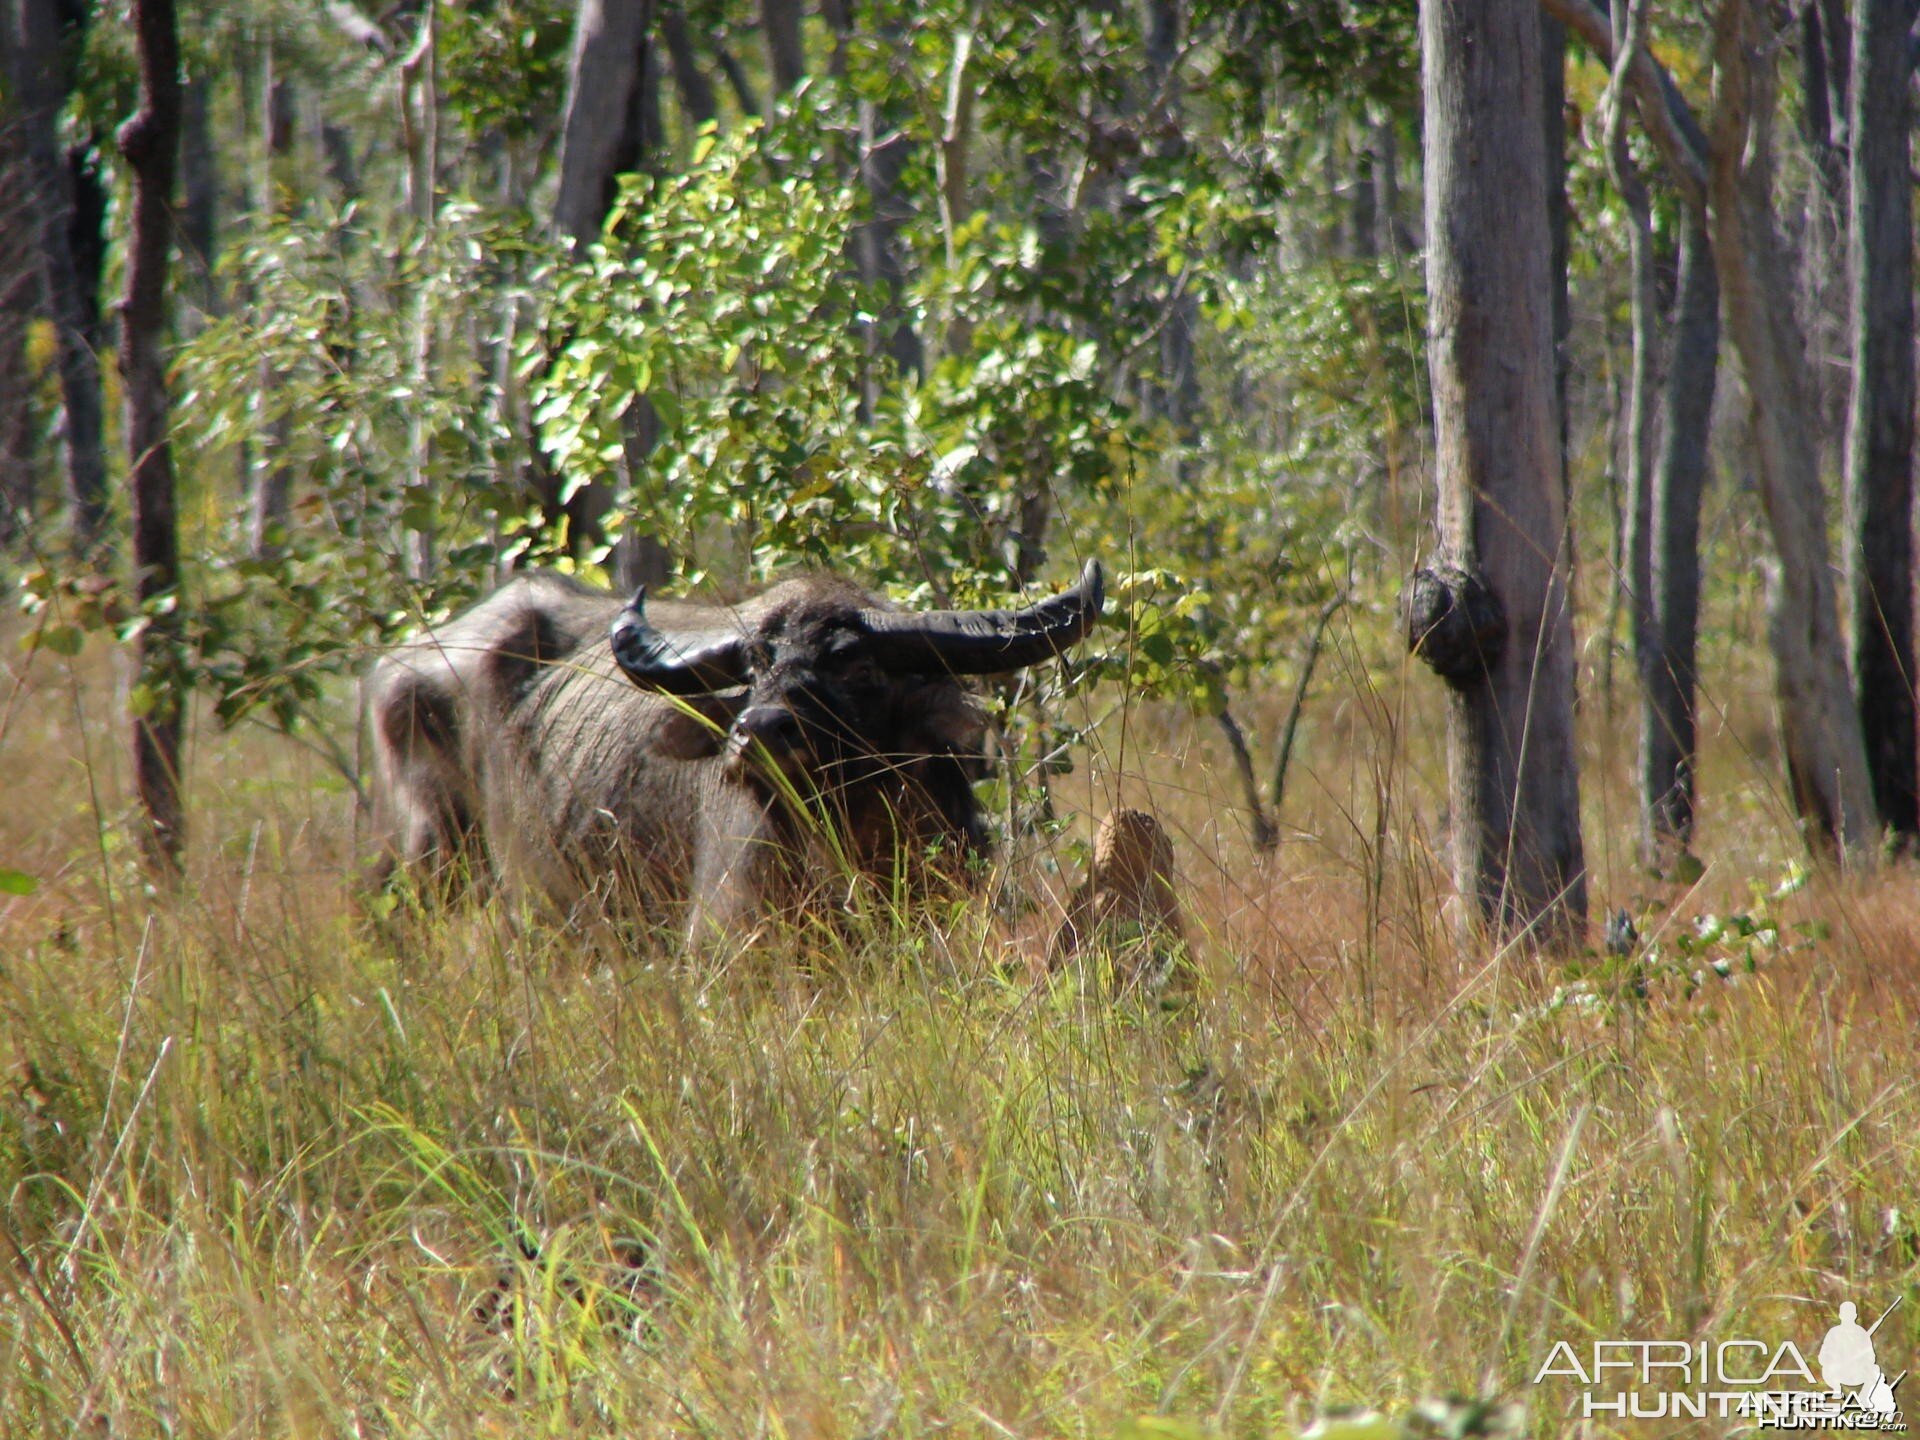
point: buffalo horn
(986, 642)
(653, 662)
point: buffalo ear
(696, 727)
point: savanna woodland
(1458, 905)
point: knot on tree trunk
(138, 137)
(1455, 623)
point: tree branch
(1664, 110)
(358, 28)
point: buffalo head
(823, 679)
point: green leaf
(16, 882)
(61, 639)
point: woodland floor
(270, 1168)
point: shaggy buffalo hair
(693, 764)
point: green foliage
(711, 363)
(104, 74)
(1685, 958)
(1738, 943)
(718, 300)
(713, 319)
(503, 62)
(1347, 343)
(315, 377)
(1330, 49)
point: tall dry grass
(268, 1167)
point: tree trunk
(1394, 239)
(19, 307)
(1178, 388)
(611, 124)
(150, 141)
(1635, 575)
(781, 25)
(648, 124)
(1363, 209)
(1679, 476)
(420, 135)
(1637, 548)
(41, 78)
(884, 153)
(697, 100)
(1826, 759)
(1553, 129)
(1817, 107)
(744, 94)
(1667, 727)
(597, 138)
(271, 478)
(200, 189)
(1513, 770)
(1837, 35)
(1879, 471)
(87, 237)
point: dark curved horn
(986, 642)
(653, 662)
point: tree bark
(1178, 390)
(1664, 110)
(199, 188)
(1394, 239)
(87, 237)
(598, 141)
(150, 141)
(884, 150)
(1837, 35)
(1636, 551)
(1679, 476)
(271, 478)
(19, 307)
(1512, 765)
(1879, 469)
(611, 125)
(884, 153)
(1553, 123)
(781, 26)
(744, 94)
(697, 100)
(420, 133)
(1637, 547)
(1826, 759)
(41, 78)
(1817, 107)
(1363, 208)
(1669, 699)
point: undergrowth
(273, 1165)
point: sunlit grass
(270, 1167)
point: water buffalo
(686, 760)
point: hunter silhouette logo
(1771, 1385)
(1847, 1361)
